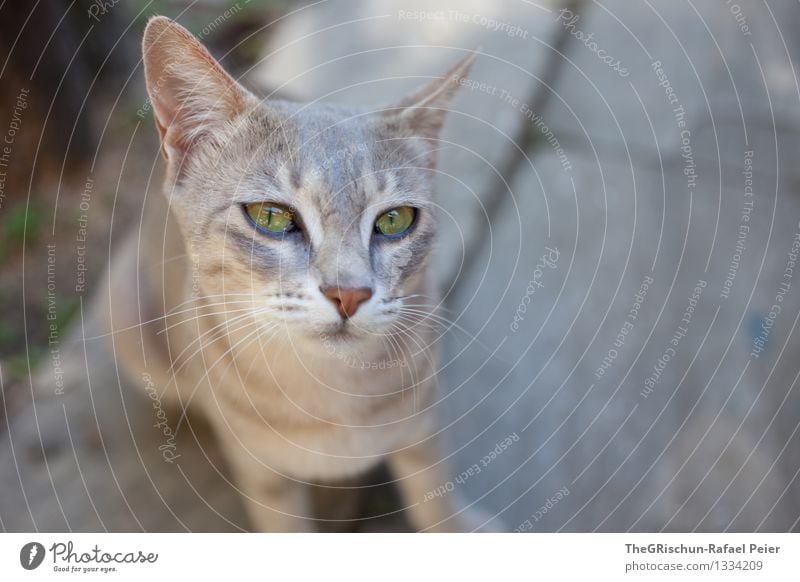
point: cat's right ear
(424, 111)
(190, 92)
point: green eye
(271, 217)
(396, 221)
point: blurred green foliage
(200, 15)
(20, 225)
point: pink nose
(347, 301)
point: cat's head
(318, 216)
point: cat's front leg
(273, 503)
(431, 503)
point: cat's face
(294, 204)
(315, 216)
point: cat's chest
(323, 422)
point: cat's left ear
(424, 111)
(191, 93)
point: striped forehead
(335, 165)
(342, 151)
(331, 169)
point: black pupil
(271, 214)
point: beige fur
(295, 394)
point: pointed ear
(190, 92)
(424, 111)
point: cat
(293, 292)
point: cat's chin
(342, 339)
(343, 332)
